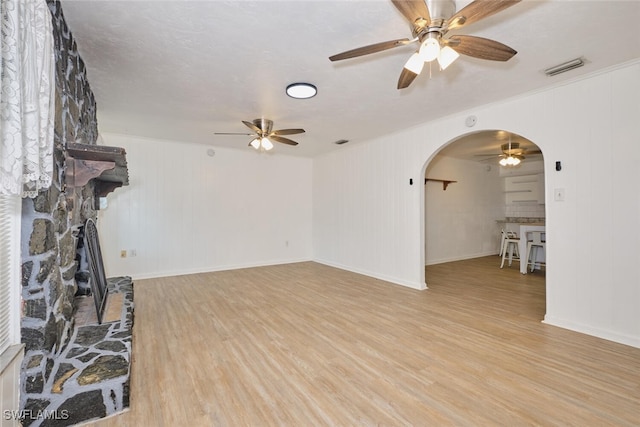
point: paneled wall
(461, 220)
(186, 212)
(363, 220)
(10, 363)
(11, 351)
(368, 219)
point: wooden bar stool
(510, 244)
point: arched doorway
(462, 220)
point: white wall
(10, 363)
(11, 357)
(367, 218)
(186, 212)
(461, 221)
(363, 220)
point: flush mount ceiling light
(301, 90)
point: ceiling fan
(512, 154)
(263, 134)
(430, 21)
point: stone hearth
(90, 377)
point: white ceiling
(182, 70)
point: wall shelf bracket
(445, 182)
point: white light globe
(430, 49)
(446, 57)
(415, 64)
(266, 144)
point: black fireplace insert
(97, 276)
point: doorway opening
(463, 220)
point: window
(10, 207)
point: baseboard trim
(459, 258)
(9, 355)
(390, 279)
(213, 269)
(617, 337)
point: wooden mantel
(445, 182)
(106, 165)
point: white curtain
(27, 103)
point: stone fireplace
(73, 370)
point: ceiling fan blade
(479, 47)
(373, 48)
(491, 159)
(415, 11)
(282, 140)
(231, 133)
(406, 78)
(286, 132)
(253, 127)
(478, 10)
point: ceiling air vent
(569, 65)
(341, 141)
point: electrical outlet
(123, 253)
(133, 252)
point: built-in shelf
(524, 181)
(524, 189)
(445, 182)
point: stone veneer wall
(50, 221)
(90, 378)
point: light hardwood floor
(309, 345)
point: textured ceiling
(183, 70)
